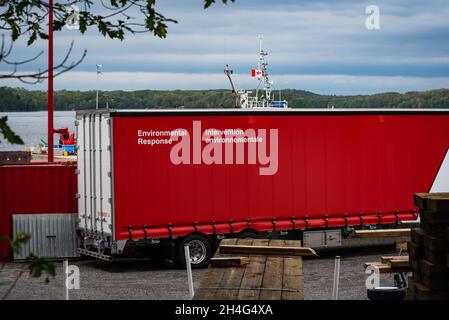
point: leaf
(83, 22)
(32, 38)
(7, 133)
(18, 242)
(38, 266)
(43, 35)
(208, 3)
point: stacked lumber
(255, 269)
(429, 249)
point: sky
(319, 46)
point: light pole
(98, 75)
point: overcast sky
(320, 46)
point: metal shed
(52, 235)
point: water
(32, 127)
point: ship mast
(263, 65)
(243, 99)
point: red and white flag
(256, 73)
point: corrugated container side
(52, 235)
(31, 189)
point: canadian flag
(256, 73)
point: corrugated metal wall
(52, 235)
(31, 189)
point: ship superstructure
(264, 97)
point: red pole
(50, 82)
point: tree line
(19, 99)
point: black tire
(200, 251)
(386, 293)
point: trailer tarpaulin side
(177, 172)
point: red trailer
(193, 176)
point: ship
(262, 98)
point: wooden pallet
(260, 277)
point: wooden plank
(227, 262)
(383, 267)
(430, 269)
(424, 293)
(387, 259)
(387, 268)
(232, 278)
(435, 217)
(435, 257)
(415, 251)
(249, 281)
(437, 201)
(253, 275)
(228, 288)
(267, 250)
(293, 264)
(229, 241)
(436, 244)
(211, 279)
(399, 263)
(381, 233)
(435, 230)
(400, 245)
(272, 276)
(292, 280)
(435, 283)
(417, 236)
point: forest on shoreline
(19, 99)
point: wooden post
(65, 266)
(336, 278)
(189, 271)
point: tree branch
(38, 76)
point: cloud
(304, 39)
(340, 84)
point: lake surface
(32, 127)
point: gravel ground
(143, 279)
(319, 273)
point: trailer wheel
(200, 251)
(386, 293)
